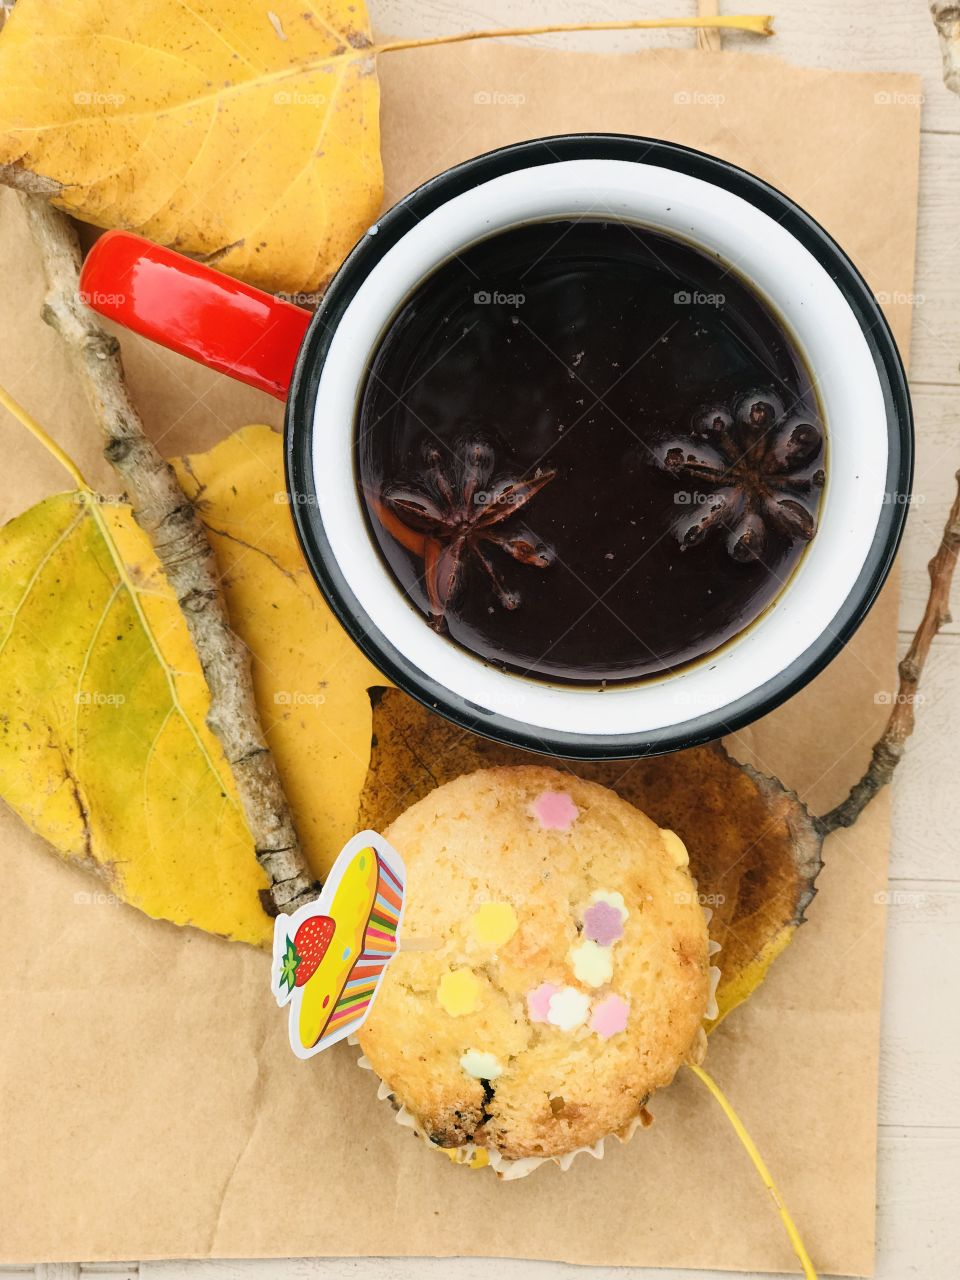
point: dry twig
(171, 522)
(946, 18)
(889, 749)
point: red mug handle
(190, 308)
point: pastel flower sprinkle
(494, 924)
(480, 1065)
(538, 1001)
(591, 964)
(614, 900)
(609, 1016)
(555, 811)
(603, 923)
(568, 1009)
(675, 847)
(459, 992)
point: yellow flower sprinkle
(459, 992)
(675, 847)
(592, 964)
(479, 1160)
(494, 924)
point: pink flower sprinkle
(603, 924)
(538, 1001)
(609, 1016)
(555, 810)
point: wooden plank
(935, 355)
(937, 412)
(918, 1194)
(926, 801)
(919, 1082)
(73, 1271)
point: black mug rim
(399, 667)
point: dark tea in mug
(589, 452)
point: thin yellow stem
(35, 429)
(758, 1162)
(760, 24)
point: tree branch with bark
(174, 528)
(946, 18)
(889, 749)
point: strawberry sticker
(305, 950)
(329, 955)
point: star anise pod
(462, 513)
(759, 468)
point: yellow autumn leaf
(104, 750)
(244, 134)
(103, 746)
(247, 133)
(309, 677)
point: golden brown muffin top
(567, 977)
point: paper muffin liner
(475, 1156)
(713, 1009)
(479, 1157)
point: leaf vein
(42, 564)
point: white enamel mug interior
(801, 292)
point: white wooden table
(919, 1186)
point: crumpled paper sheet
(151, 1105)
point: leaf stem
(35, 429)
(758, 1163)
(760, 24)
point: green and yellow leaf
(104, 749)
(103, 746)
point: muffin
(553, 970)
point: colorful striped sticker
(336, 998)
